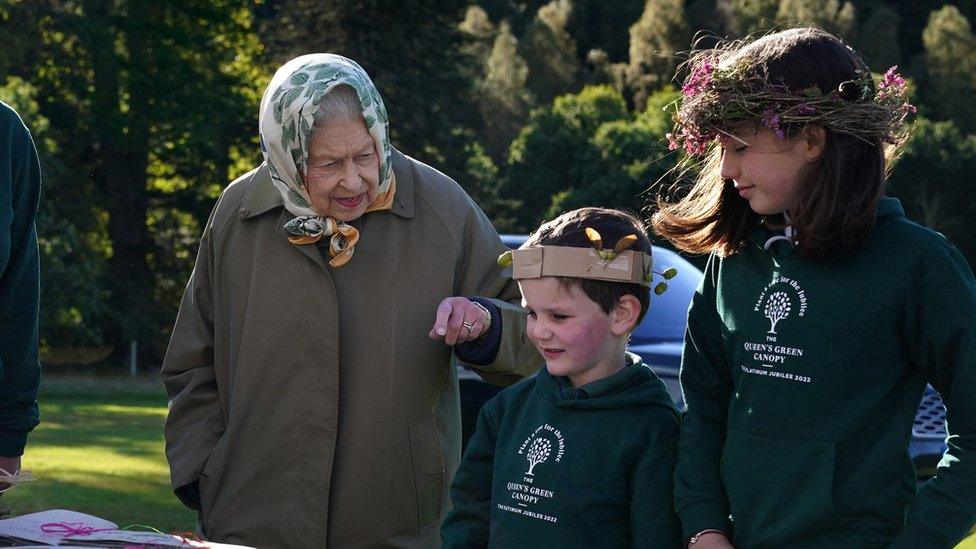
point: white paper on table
(152, 539)
(28, 527)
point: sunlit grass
(103, 455)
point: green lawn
(99, 450)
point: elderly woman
(309, 407)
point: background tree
(160, 93)
(749, 16)
(598, 24)
(878, 39)
(550, 52)
(950, 68)
(933, 179)
(503, 99)
(655, 40)
(829, 15)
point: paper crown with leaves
(596, 263)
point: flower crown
(714, 97)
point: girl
(822, 314)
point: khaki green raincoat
(309, 402)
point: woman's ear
(625, 315)
(813, 139)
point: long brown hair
(838, 194)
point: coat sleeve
(19, 288)
(652, 519)
(195, 421)
(467, 524)
(706, 384)
(479, 274)
(942, 339)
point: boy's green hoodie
(20, 186)
(802, 379)
(553, 466)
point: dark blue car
(659, 338)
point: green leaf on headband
(299, 78)
(369, 120)
(506, 259)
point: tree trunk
(120, 172)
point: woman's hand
(712, 540)
(459, 320)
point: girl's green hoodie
(802, 379)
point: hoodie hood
(635, 386)
(778, 242)
(889, 208)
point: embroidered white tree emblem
(778, 307)
(538, 452)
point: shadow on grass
(131, 426)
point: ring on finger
(468, 325)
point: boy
(581, 455)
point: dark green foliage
(878, 39)
(586, 149)
(143, 110)
(934, 180)
(949, 62)
(145, 100)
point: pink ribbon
(71, 529)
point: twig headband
(595, 263)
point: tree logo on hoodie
(539, 451)
(778, 307)
(545, 443)
(781, 299)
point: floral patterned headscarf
(287, 114)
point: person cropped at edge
(822, 314)
(310, 405)
(20, 188)
(582, 454)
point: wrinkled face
(764, 169)
(570, 331)
(343, 169)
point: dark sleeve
(20, 185)
(483, 350)
(943, 343)
(653, 523)
(706, 384)
(195, 420)
(467, 524)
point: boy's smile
(571, 331)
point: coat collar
(262, 196)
